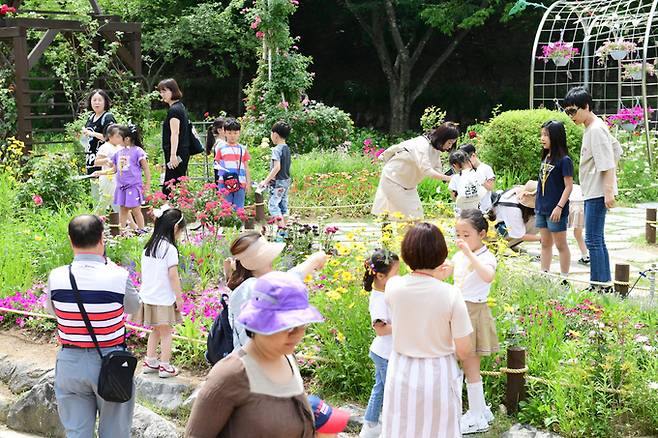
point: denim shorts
(544, 221)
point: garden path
(624, 233)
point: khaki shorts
(484, 338)
(150, 314)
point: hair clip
(370, 267)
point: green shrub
(50, 179)
(511, 141)
(316, 126)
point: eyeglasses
(571, 111)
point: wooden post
(515, 389)
(260, 207)
(249, 224)
(22, 70)
(622, 275)
(115, 230)
(650, 227)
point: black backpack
(220, 337)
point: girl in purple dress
(129, 163)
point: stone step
(8, 433)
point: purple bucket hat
(278, 302)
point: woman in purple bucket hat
(257, 390)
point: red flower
(260, 34)
(38, 200)
(472, 134)
(206, 114)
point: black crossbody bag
(115, 380)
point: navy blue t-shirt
(551, 185)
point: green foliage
(316, 126)
(637, 181)
(431, 118)
(49, 176)
(511, 142)
(7, 103)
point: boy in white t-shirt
(486, 173)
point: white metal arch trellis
(587, 25)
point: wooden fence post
(260, 207)
(515, 389)
(115, 230)
(650, 227)
(622, 276)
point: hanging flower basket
(618, 50)
(628, 118)
(6, 10)
(559, 52)
(633, 71)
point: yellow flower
(397, 215)
(333, 263)
(508, 309)
(340, 337)
(351, 306)
(341, 290)
(491, 302)
(349, 236)
(364, 292)
(38, 238)
(308, 278)
(333, 295)
(343, 251)
(346, 276)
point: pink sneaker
(170, 371)
(148, 369)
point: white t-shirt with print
(600, 152)
(486, 173)
(474, 289)
(469, 190)
(156, 288)
(381, 345)
(107, 183)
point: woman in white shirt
(407, 164)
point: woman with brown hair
(253, 257)
(175, 133)
(407, 164)
(422, 395)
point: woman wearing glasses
(407, 164)
(599, 156)
(257, 391)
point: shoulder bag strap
(85, 316)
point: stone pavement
(624, 238)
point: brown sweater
(238, 401)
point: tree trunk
(400, 103)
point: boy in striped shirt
(232, 159)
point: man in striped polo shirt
(107, 293)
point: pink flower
(295, 2)
(284, 104)
(260, 34)
(367, 142)
(256, 23)
(38, 200)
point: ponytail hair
(213, 129)
(239, 245)
(380, 262)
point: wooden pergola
(14, 31)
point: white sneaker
(471, 423)
(368, 431)
(150, 369)
(165, 372)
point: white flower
(648, 348)
(641, 339)
(653, 385)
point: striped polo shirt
(228, 159)
(103, 288)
